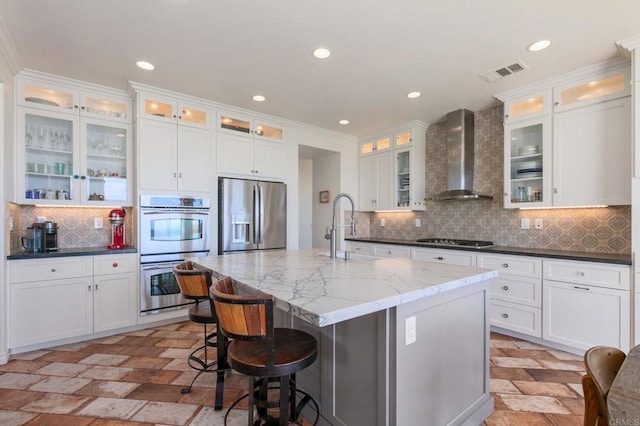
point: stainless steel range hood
(460, 139)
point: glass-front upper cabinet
(402, 139)
(66, 160)
(527, 107)
(403, 179)
(52, 97)
(247, 126)
(602, 87)
(527, 180)
(375, 145)
(174, 110)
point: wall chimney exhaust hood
(460, 140)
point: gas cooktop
(453, 242)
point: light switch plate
(409, 330)
(97, 223)
(418, 223)
(524, 223)
(381, 222)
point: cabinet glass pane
(268, 131)
(403, 179)
(235, 124)
(382, 144)
(593, 89)
(100, 107)
(403, 139)
(195, 116)
(526, 107)
(106, 163)
(526, 164)
(48, 157)
(158, 108)
(40, 95)
(366, 148)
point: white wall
(326, 177)
(305, 191)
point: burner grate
(454, 242)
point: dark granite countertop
(620, 259)
(67, 252)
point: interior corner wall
(305, 203)
(326, 177)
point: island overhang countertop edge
(324, 291)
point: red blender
(116, 217)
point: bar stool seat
(260, 350)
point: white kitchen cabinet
(70, 159)
(586, 304)
(47, 93)
(527, 107)
(409, 169)
(527, 163)
(388, 250)
(173, 110)
(173, 157)
(250, 157)
(451, 257)
(54, 299)
(376, 182)
(516, 293)
(376, 145)
(594, 88)
(637, 315)
(592, 155)
(359, 248)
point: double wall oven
(171, 229)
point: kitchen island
(361, 310)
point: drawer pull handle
(505, 265)
(505, 287)
(115, 264)
(581, 288)
(439, 258)
(96, 287)
(53, 269)
(388, 251)
(505, 315)
(88, 288)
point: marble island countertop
(620, 259)
(325, 291)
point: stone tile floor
(135, 379)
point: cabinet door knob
(96, 287)
(115, 264)
(174, 116)
(581, 274)
(179, 117)
(505, 265)
(88, 288)
(53, 269)
(83, 177)
(555, 190)
(83, 107)
(257, 171)
(175, 175)
(505, 315)
(76, 176)
(75, 106)
(505, 287)
(388, 251)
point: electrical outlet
(538, 224)
(97, 223)
(409, 330)
(524, 223)
(10, 223)
(381, 222)
(418, 223)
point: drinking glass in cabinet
(101, 107)
(235, 124)
(49, 97)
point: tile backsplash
(606, 230)
(75, 225)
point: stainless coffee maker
(41, 237)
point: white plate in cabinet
(391, 251)
(588, 273)
(451, 257)
(513, 265)
(526, 291)
(519, 318)
(582, 316)
(114, 264)
(359, 248)
(50, 269)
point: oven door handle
(156, 268)
(176, 211)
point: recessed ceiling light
(145, 65)
(259, 98)
(322, 53)
(538, 45)
(344, 122)
(412, 95)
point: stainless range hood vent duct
(460, 141)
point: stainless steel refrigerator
(252, 215)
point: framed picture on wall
(324, 196)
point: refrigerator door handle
(261, 221)
(256, 214)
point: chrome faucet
(334, 227)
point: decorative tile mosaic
(606, 230)
(75, 225)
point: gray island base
(361, 311)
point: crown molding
(8, 51)
(629, 44)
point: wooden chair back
(244, 317)
(602, 364)
(194, 283)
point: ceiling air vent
(504, 71)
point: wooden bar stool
(602, 364)
(260, 350)
(194, 285)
